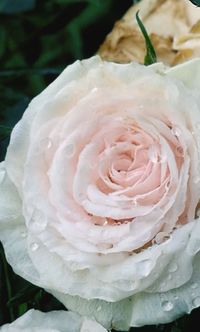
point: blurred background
(38, 39)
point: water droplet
(144, 267)
(34, 246)
(179, 151)
(135, 202)
(99, 308)
(194, 285)
(95, 89)
(69, 150)
(99, 221)
(196, 301)
(167, 305)
(152, 153)
(163, 158)
(175, 297)
(161, 237)
(2, 175)
(104, 246)
(176, 131)
(46, 143)
(23, 234)
(173, 267)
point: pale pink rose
(54, 321)
(100, 188)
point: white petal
(54, 321)
(187, 72)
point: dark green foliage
(16, 6)
(196, 2)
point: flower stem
(8, 285)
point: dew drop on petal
(176, 131)
(99, 221)
(135, 202)
(152, 154)
(34, 246)
(163, 158)
(161, 237)
(144, 267)
(173, 267)
(104, 246)
(99, 308)
(46, 144)
(196, 301)
(179, 151)
(95, 89)
(194, 285)
(23, 234)
(167, 305)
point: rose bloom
(100, 188)
(54, 321)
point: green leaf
(5, 268)
(24, 295)
(16, 6)
(150, 56)
(22, 309)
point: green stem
(8, 286)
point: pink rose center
(132, 170)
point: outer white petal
(41, 109)
(143, 308)
(54, 321)
(187, 72)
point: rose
(99, 192)
(173, 43)
(54, 321)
